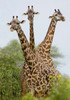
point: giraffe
(31, 14)
(45, 46)
(38, 77)
(24, 70)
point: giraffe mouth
(11, 29)
(63, 19)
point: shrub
(9, 78)
(60, 90)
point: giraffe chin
(11, 29)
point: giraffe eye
(17, 23)
(56, 15)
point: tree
(14, 49)
(55, 54)
(9, 78)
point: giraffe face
(15, 23)
(30, 13)
(58, 16)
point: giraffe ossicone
(15, 23)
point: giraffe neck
(28, 53)
(51, 28)
(45, 46)
(32, 43)
(49, 36)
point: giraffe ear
(50, 16)
(22, 21)
(25, 14)
(36, 13)
(8, 24)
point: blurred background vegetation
(11, 61)
(13, 49)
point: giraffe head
(57, 16)
(30, 13)
(15, 23)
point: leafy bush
(13, 49)
(29, 96)
(9, 78)
(60, 90)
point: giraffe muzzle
(11, 29)
(63, 18)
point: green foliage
(60, 90)
(9, 78)
(29, 96)
(55, 52)
(56, 63)
(13, 49)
